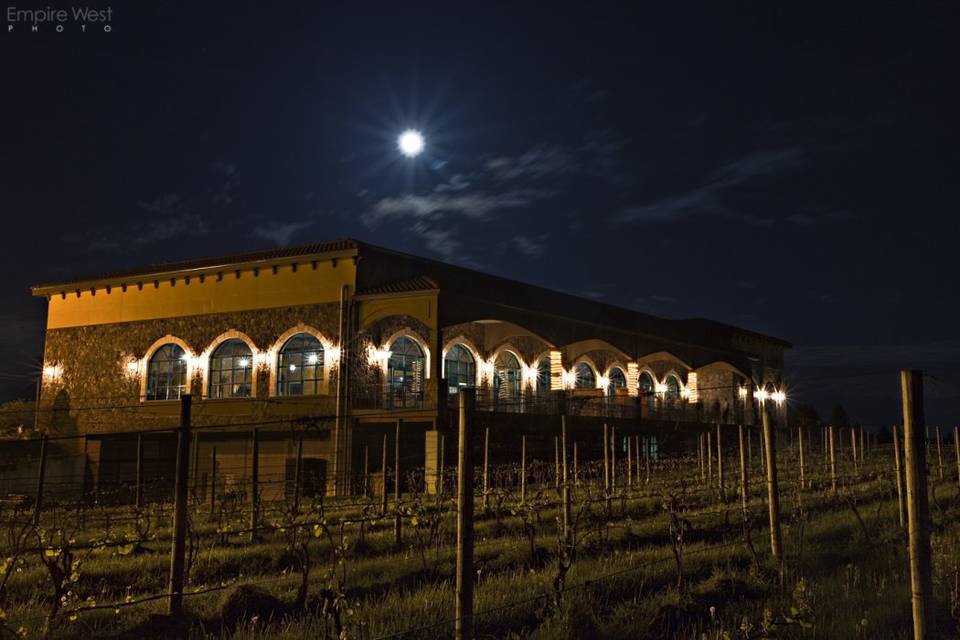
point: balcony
(387, 397)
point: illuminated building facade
(339, 340)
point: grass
(846, 570)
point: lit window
(507, 381)
(300, 366)
(543, 375)
(673, 388)
(405, 372)
(231, 367)
(618, 380)
(460, 368)
(586, 378)
(166, 373)
(647, 388)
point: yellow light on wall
(333, 355)
(130, 367)
(761, 395)
(660, 387)
(569, 379)
(262, 360)
(529, 375)
(487, 369)
(603, 382)
(52, 372)
(742, 392)
(692, 388)
(778, 396)
(378, 357)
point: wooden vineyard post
(255, 486)
(956, 447)
(486, 467)
(719, 462)
(898, 468)
(139, 489)
(606, 459)
(710, 456)
(800, 449)
(862, 448)
(773, 491)
(833, 460)
(41, 477)
(853, 447)
(397, 521)
(464, 577)
(629, 464)
(749, 448)
(703, 477)
(366, 470)
(443, 445)
(613, 459)
(213, 480)
(178, 545)
(383, 496)
(939, 454)
(576, 472)
(298, 474)
(649, 458)
(744, 487)
(763, 450)
(556, 462)
(567, 530)
(918, 522)
(523, 469)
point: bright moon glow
(410, 143)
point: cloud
(710, 198)
(530, 247)
(457, 183)
(536, 164)
(281, 234)
(470, 205)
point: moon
(410, 143)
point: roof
(184, 266)
(415, 280)
(407, 285)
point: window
(231, 367)
(507, 381)
(586, 378)
(673, 388)
(300, 366)
(543, 375)
(618, 380)
(167, 373)
(460, 368)
(405, 371)
(647, 388)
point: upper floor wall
(219, 289)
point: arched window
(647, 388)
(586, 378)
(231, 366)
(618, 380)
(300, 366)
(459, 368)
(673, 388)
(543, 375)
(167, 373)
(507, 381)
(405, 371)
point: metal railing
(387, 397)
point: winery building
(328, 348)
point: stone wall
(96, 393)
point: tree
(839, 417)
(16, 418)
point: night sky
(788, 170)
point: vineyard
(640, 544)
